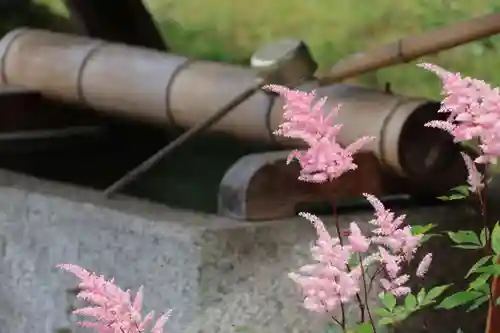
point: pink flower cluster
(114, 310)
(474, 111)
(330, 281)
(474, 178)
(305, 119)
(327, 283)
(396, 245)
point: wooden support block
(263, 187)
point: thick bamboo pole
(170, 90)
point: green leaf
(333, 328)
(365, 328)
(389, 301)
(421, 296)
(452, 197)
(482, 236)
(435, 293)
(468, 246)
(458, 299)
(462, 189)
(386, 321)
(353, 260)
(478, 264)
(479, 282)
(464, 236)
(478, 302)
(246, 329)
(410, 303)
(426, 237)
(421, 229)
(381, 312)
(495, 239)
(400, 313)
(490, 269)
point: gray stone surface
(213, 272)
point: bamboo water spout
(170, 90)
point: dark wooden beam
(16, 108)
(125, 21)
(263, 187)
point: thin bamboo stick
(413, 47)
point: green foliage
(423, 230)
(459, 298)
(457, 193)
(333, 328)
(393, 313)
(478, 291)
(434, 293)
(388, 300)
(364, 328)
(478, 302)
(485, 233)
(480, 263)
(493, 269)
(353, 260)
(495, 239)
(465, 239)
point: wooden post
(125, 21)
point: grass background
(230, 30)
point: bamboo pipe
(169, 90)
(413, 47)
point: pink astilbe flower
(331, 281)
(396, 243)
(423, 267)
(474, 178)
(396, 286)
(113, 308)
(357, 240)
(392, 263)
(305, 119)
(390, 232)
(474, 111)
(327, 283)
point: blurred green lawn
(230, 30)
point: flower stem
(492, 318)
(339, 234)
(365, 287)
(338, 323)
(372, 279)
